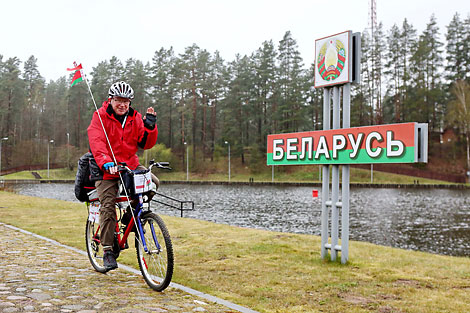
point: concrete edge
(191, 291)
(259, 183)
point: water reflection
(436, 220)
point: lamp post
(187, 160)
(48, 154)
(68, 148)
(3, 139)
(228, 143)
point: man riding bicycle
(127, 131)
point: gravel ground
(38, 276)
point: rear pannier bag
(87, 173)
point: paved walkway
(38, 276)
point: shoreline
(260, 183)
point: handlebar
(162, 165)
(122, 167)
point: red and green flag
(77, 77)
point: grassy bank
(297, 174)
(272, 271)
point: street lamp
(68, 148)
(3, 139)
(48, 154)
(228, 143)
(187, 160)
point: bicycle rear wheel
(156, 264)
(93, 249)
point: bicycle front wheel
(156, 259)
(93, 249)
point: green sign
(395, 143)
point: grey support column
(335, 183)
(325, 179)
(345, 184)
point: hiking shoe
(109, 261)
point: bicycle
(152, 240)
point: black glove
(149, 121)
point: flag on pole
(77, 77)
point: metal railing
(177, 204)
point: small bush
(159, 153)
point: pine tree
(163, 93)
(425, 66)
(192, 84)
(237, 105)
(101, 82)
(466, 47)
(455, 52)
(314, 99)
(264, 85)
(34, 98)
(217, 92)
(434, 64)
(116, 70)
(408, 44)
(136, 74)
(362, 101)
(12, 98)
(291, 100)
(394, 72)
(377, 54)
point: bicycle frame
(122, 240)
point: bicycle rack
(182, 205)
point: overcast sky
(58, 32)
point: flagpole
(99, 116)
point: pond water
(432, 220)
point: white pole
(51, 141)
(228, 143)
(48, 159)
(68, 152)
(187, 161)
(371, 173)
(5, 138)
(229, 162)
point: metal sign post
(346, 46)
(333, 203)
(337, 66)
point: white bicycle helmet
(121, 89)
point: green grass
(59, 173)
(301, 174)
(275, 272)
(292, 174)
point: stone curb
(191, 291)
(260, 183)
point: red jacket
(125, 140)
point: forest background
(203, 101)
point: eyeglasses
(122, 101)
